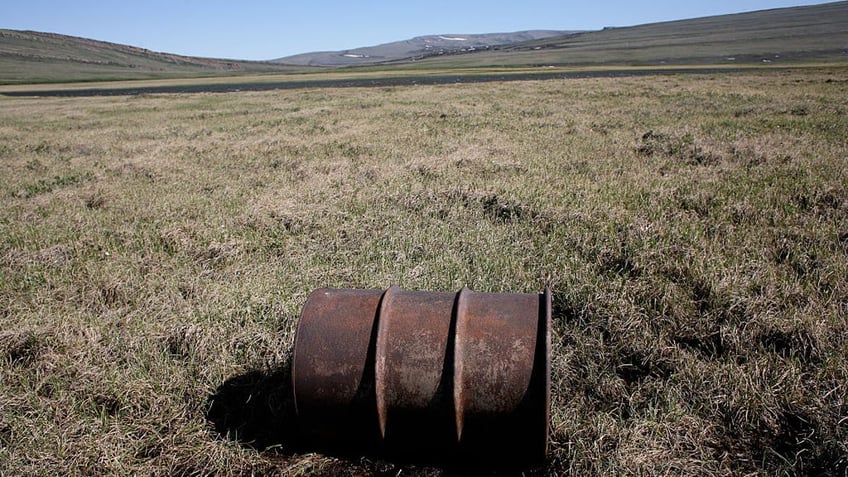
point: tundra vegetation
(156, 250)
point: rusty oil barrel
(463, 374)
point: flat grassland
(156, 250)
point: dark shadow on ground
(256, 409)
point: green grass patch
(48, 185)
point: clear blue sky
(260, 30)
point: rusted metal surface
(333, 364)
(462, 372)
(412, 382)
(502, 373)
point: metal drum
(464, 373)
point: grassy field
(156, 250)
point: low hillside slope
(27, 56)
(813, 33)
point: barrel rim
(380, 353)
(297, 334)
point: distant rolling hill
(817, 33)
(27, 56)
(417, 48)
(810, 33)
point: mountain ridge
(419, 47)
